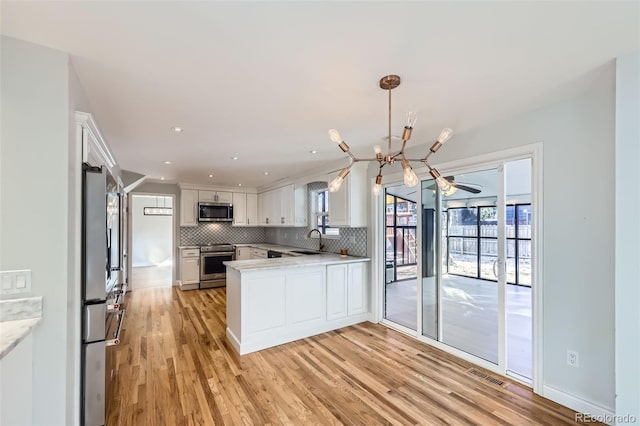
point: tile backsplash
(221, 232)
(352, 239)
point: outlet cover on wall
(572, 359)
(15, 282)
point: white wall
(627, 232)
(578, 197)
(35, 173)
(152, 235)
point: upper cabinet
(188, 207)
(245, 209)
(285, 206)
(347, 206)
(215, 197)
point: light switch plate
(15, 282)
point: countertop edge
(263, 264)
(19, 329)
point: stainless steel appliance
(102, 294)
(272, 254)
(215, 212)
(213, 273)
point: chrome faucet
(319, 236)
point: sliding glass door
(473, 263)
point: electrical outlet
(572, 359)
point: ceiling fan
(463, 186)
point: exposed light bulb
(452, 190)
(335, 184)
(444, 184)
(377, 189)
(411, 119)
(334, 135)
(445, 135)
(377, 149)
(410, 178)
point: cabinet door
(252, 209)
(339, 205)
(357, 289)
(206, 196)
(224, 197)
(243, 253)
(287, 205)
(188, 207)
(239, 209)
(336, 291)
(190, 270)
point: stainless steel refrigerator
(102, 293)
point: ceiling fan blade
(466, 188)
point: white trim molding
(582, 406)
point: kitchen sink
(305, 252)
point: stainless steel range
(213, 273)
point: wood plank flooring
(176, 367)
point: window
(321, 213)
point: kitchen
(240, 104)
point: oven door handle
(217, 253)
(116, 337)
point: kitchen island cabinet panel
(276, 301)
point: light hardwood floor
(176, 367)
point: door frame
(174, 235)
(535, 153)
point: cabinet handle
(247, 221)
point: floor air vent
(486, 377)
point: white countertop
(188, 247)
(292, 262)
(17, 319)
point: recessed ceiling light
(176, 129)
(234, 158)
(167, 162)
(266, 173)
(313, 151)
(162, 178)
(239, 184)
(210, 176)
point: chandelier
(389, 83)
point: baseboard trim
(603, 414)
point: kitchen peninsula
(275, 301)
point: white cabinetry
(285, 206)
(252, 209)
(337, 276)
(215, 197)
(347, 207)
(189, 268)
(347, 293)
(258, 253)
(266, 308)
(245, 209)
(243, 253)
(357, 294)
(188, 207)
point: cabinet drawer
(258, 254)
(191, 253)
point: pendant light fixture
(389, 83)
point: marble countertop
(293, 261)
(276, 247)
(188, 247)
(17, 318)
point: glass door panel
(469, 289)
(430, 256)
(400, 296)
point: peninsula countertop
(291, 261)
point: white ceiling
(265, 81)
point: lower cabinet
(271, 307)
(243, 253)
(189, 269)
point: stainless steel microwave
(215, 212)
